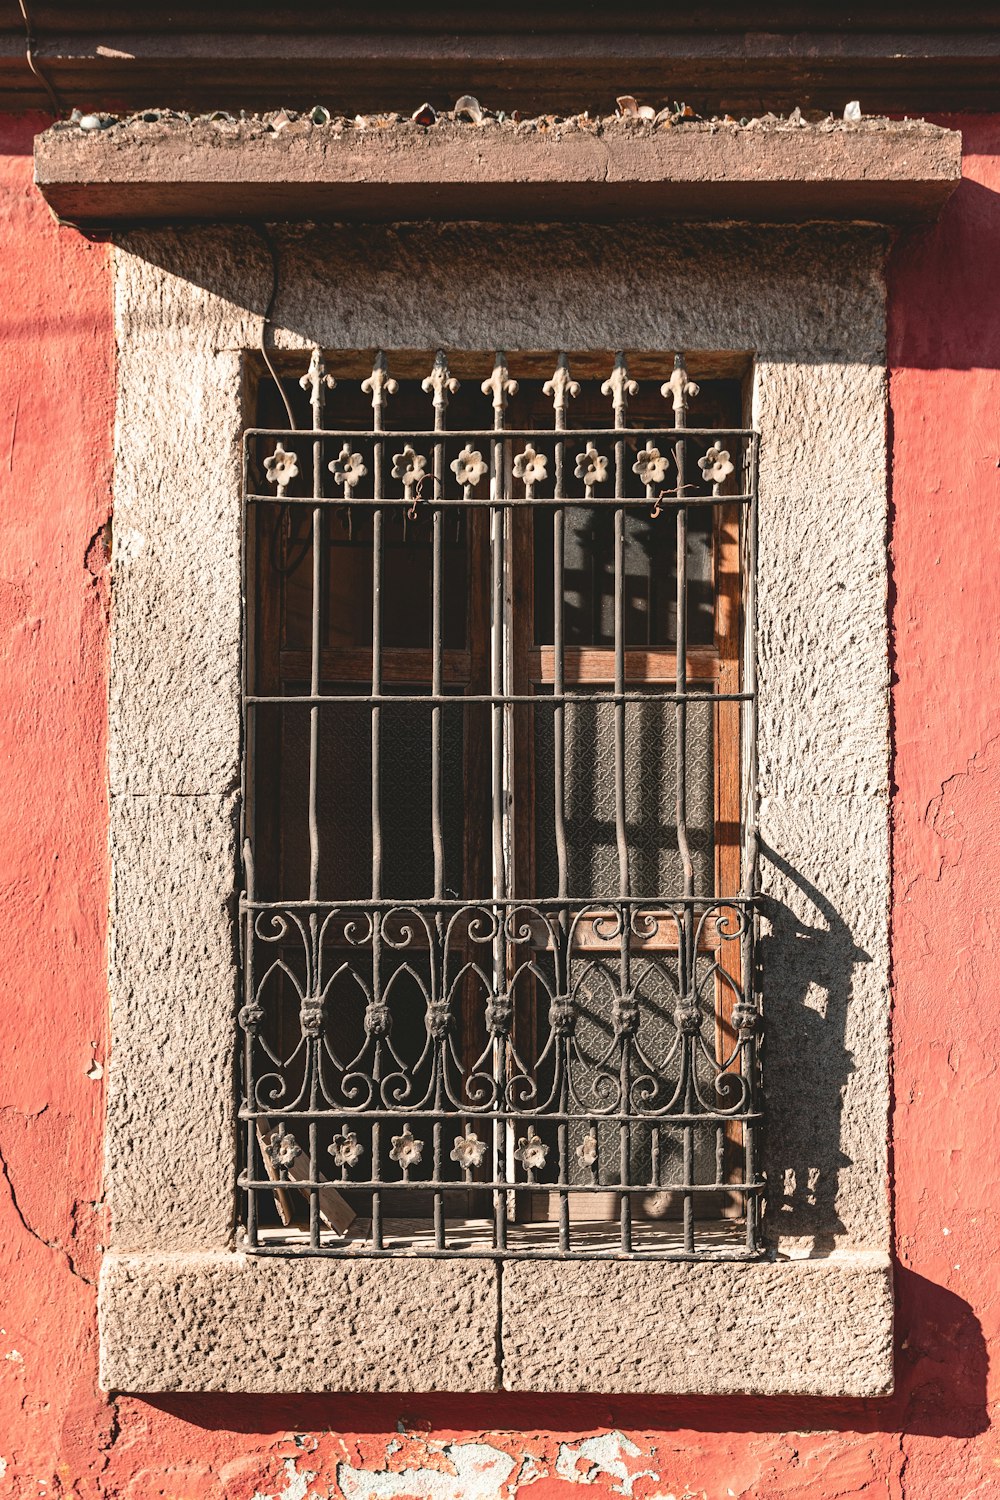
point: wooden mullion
(728, 804)
(649, 666)
(402, 666)
(476, 766)
(529, 1015)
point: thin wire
(29, 54)
(262, 230)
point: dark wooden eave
(735, 57)
(172, 171)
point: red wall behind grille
(58, 1435)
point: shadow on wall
(941, 1357)
(941, 1369)
(806, 1061)
(944, 313)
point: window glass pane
(650, 793)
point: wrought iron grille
(499, 849)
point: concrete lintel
(882, 171)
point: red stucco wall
(932, 1440)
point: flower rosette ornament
(716, 466)
(531, 1153)
(530, 467)
(651, 466)
(469, 467)
(586, 1152)
(346, 1149)
(281, 468)
(591, 467)
(410, 467)
(348, 469)
(284, 1148)
(468, 1150)
(406, 1151)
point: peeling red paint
(932, 1440)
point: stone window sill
(225, 1321)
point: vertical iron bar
(499, 386)
(438, 385)
(249, 1090)
(379, 385)
(437, 838)
(680, 388)
(249, 1001)
(317, 382)
(561, 388)
(619, 387)
(749, 1058)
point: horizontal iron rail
(363, 1250)
(593, 905)
(490, 434)
(510, 1116)
(459, 699)
(497, 1185)
(504, 502)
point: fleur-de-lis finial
(499, 385)
(679, 386)
(316, 379)
(619, 386)
(440, 382)
(380, 383)
(561, 387)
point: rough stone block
(796, 1327)
(246, 1323)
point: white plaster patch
(297, 1487)
(601, 1457)
(479, 1472)
(128, 543)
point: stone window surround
(181, 1307)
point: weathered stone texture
(804, 1327)
(246, 1323)
(806, 308)
(170, 1127)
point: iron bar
(511, 502)
(514, 434)
(562, 388)
(507, 1186)
(680, 388)
(550, 699)
(707, 1122)
(543, 903)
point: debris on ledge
(629, 115)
